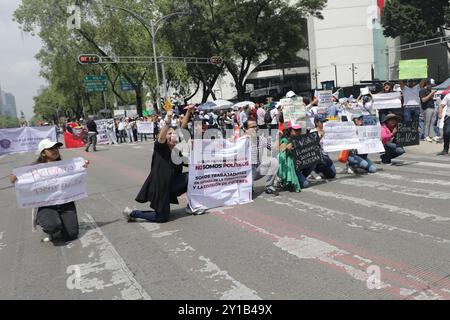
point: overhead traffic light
(88, 59)
(216, 60)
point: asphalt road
(328, 242)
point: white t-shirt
(446, 103)
(273, 115)
(411, 96)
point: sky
(19, 70)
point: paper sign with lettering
(220, 173)
(50, 183)
(340, 136)
(390, 100)
(145, 127)
(370, 139)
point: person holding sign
(360, 161)
(166, 180)
(411, 100)
(388, 131)
(56, 220)
(286, 172)
(326, 167)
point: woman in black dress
(166, 180)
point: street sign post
(95, 83)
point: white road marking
(306, 247)
(356, 221)
(413, 192)
(2, 245)
(211, 276)
(388, 207)
(402, 178)
(107, 269)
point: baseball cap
(47, 144)
(292, 125)
(431, 81)
(320, 118)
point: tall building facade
(7, 104)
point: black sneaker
(443, 153)
(271, 190)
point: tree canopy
(416, 20)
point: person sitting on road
(286, 172)
(165, 182)
(57, 221)
(325, 168)
(262, 166)
(388, 131)
(360, 161)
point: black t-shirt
(430, 103)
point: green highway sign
(96, 78)
(95, 83)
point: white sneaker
(436, 139)
(47, 238)
(127, 215)
(315, 176)
(428, 139)
(350, 171)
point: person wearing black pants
(165, 182)
(56, 220)
(445, 104)
(60, 218)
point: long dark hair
(43, 159)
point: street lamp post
(335, 74)
(152, 29)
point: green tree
(416, 20)
(246, 32)
(8, 122)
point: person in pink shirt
(388, 131)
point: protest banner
(408, 134)
(325, 100)
(370, 139)
(220, 173)
(390, 100)
(413, 69)
(119, 113)
(294, 110)
(307, 150)
(145, 127)
(102, 136)
(340, 136)
(50, 183)
(25, 139)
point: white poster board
(25, 139)
(340, 136)
(220, 173)
(51, 183)
(390, 100)
(102, 136)
(370, 139)
(145, 127)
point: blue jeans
(302, 175)
(178, 186)
(361, 161)
(326, 167)
(391, 151)
(411, 113)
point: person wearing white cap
(57, 220)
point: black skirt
(156, 188)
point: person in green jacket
(286, 171)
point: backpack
(267, 117)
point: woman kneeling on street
(166, 181)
